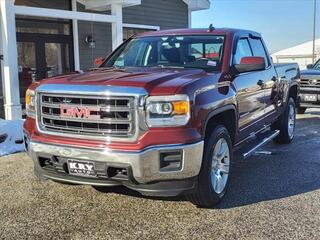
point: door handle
(260, 83)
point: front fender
(212, 101)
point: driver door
(250, 93)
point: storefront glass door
(42, 54)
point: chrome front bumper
(145, 164)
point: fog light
(171, 160)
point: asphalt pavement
(271, 197)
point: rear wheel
(301, 110)
(215, 172)
(286, 124)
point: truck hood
(310, 72)
(154, 80)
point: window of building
(43, 26)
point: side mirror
(250, 64)
(310, 66)
(99, 61)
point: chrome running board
(264, 141)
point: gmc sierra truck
(309, 96)
(164, 114)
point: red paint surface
(150, 138)
(252, 60)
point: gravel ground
(271, 197)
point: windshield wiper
(108, 68)
(165, 66)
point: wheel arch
(293, 92)
(227, 116)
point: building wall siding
(57, 4)
(101, 33)
(167, 14)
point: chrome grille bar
(310, 83)
(114, 116)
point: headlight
(30, 103)
(165, 111)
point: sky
(282, 23)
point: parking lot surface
(271, 197)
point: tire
(286, 124)
(208, 193)
(301, 110)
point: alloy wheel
(220, 166)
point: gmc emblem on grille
(79, 112)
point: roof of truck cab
(197, 31)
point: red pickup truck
(164, 114)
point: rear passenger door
(250, 95)
(268, 77)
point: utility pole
(314, 30)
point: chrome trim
(99, 91)
(91, 90)
(145, 164)
(309, 89)
(252, 135)
(258, 120)
(264, 142)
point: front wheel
(286, 124)
(215, 171)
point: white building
(43, 38)
(302, 54)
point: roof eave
(105, 5)
(196, 5)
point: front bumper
(144, 172)
(307, 92)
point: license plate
(310, 98)
(81, 168)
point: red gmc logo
(79, 112)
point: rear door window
(243, 50)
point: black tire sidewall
(286, 120)
(282, 124)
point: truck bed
(286, 70)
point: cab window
(259, 50)
(243, 50)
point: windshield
(170, 51)
(317, 65)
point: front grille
(108, 117)
(310, 83)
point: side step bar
(264, 141)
